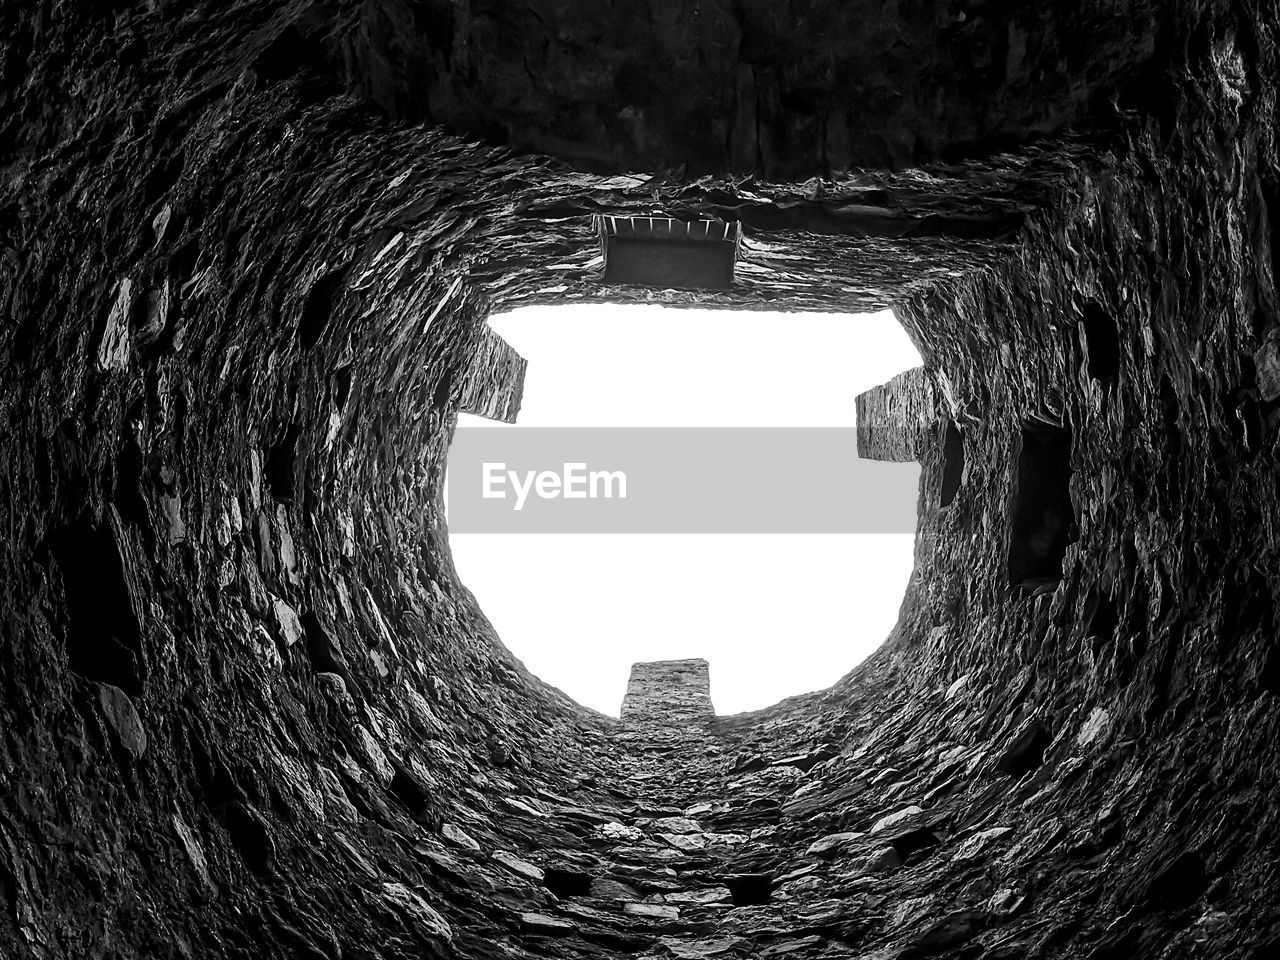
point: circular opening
(750, 396)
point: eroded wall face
(788, 91)
(249, 711)
(1107, 718)
(669, 693)
(241, 330)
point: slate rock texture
(672, 693)
(895, 419)
(247, 253)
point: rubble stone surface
(247, 253)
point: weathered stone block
(669, 693)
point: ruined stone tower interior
(247, 253)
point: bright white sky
(775, 615)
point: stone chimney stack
(670, 693)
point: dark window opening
(952, 463)
(1272, 200)
(441, 396)
(567, 883)
(913, 842)
(1101, 345)
(1102, 616)
(1179, 884)
(1269, 673)
(325, 655)
(293, 53)
(1042, 519)
(250, 835)
(341, 387)
(1025, 753)
(128, 496)
(667, 253)
(104, 642)
(749, 889)
(280, 465)
(318, 307)
(408, 789)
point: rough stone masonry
(672, 693)
(247, 253)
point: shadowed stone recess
(247, 256)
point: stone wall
(494, 383)
(247, 708)
(895, 419)
(789, 92)
(671, 693)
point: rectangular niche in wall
(1101, 344)
(1041, 516)
(668, 253)
(952, 463)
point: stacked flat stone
(249, 712)
(669, 693)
